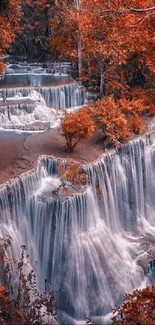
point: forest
(111, 45)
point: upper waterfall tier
(54, 69)
(89, 245)
(30, 75)
(69, 95)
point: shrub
(72, 172)
(135, 124)
(138, 308)
(75, 127)
(24, 305)
(111, 121)
(138, 101)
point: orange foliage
(110, 120)
(138, 101)
(135, 124)
(132, 106)
(3, 292)
(75, 127)
(138, 308)
(9, 23)
(110, 33)
(64, 25)
(72, 172)
(115, 119)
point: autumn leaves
(113, 39)
(138, 308)
(77, 126)
(9, 23)
(116, 57)
(104, 115)
(115, 119)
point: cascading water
(27, 117)
(69, 95)
(25, 84)
(27, 113)
(61, 68)
(89, 245)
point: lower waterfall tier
(90, 245)
(69, 95)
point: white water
(69, 95)
(32, 96)
(35, 106)
(28, 118)
(29, 113)
(36, 110)
(88, 246)
(57, 68)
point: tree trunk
(79, 56)
(89, 71)
(101, 83)
(79, 41)
(2, 267)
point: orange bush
(135, 124)
(75, 127)
(72, 172)
(111, 121)
(132, 106)
(138, 308)
(138, 101)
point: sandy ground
(19, 152)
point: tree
(138, 308)
(65, 26)
(75, 127)
(116, 39)
(27, 306)
(34, 37)
(110, 120)
(9, 23)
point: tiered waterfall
(89, 245)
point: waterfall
(28, 108)
(89, 245)
(27, 117)
(68, 95)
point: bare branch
(130, 10)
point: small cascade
(88, 246)
(55, 68)
(68, 95)
(27, 118)
(27, 113)
(13, 108)
(31, 94)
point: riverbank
(19, 152)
